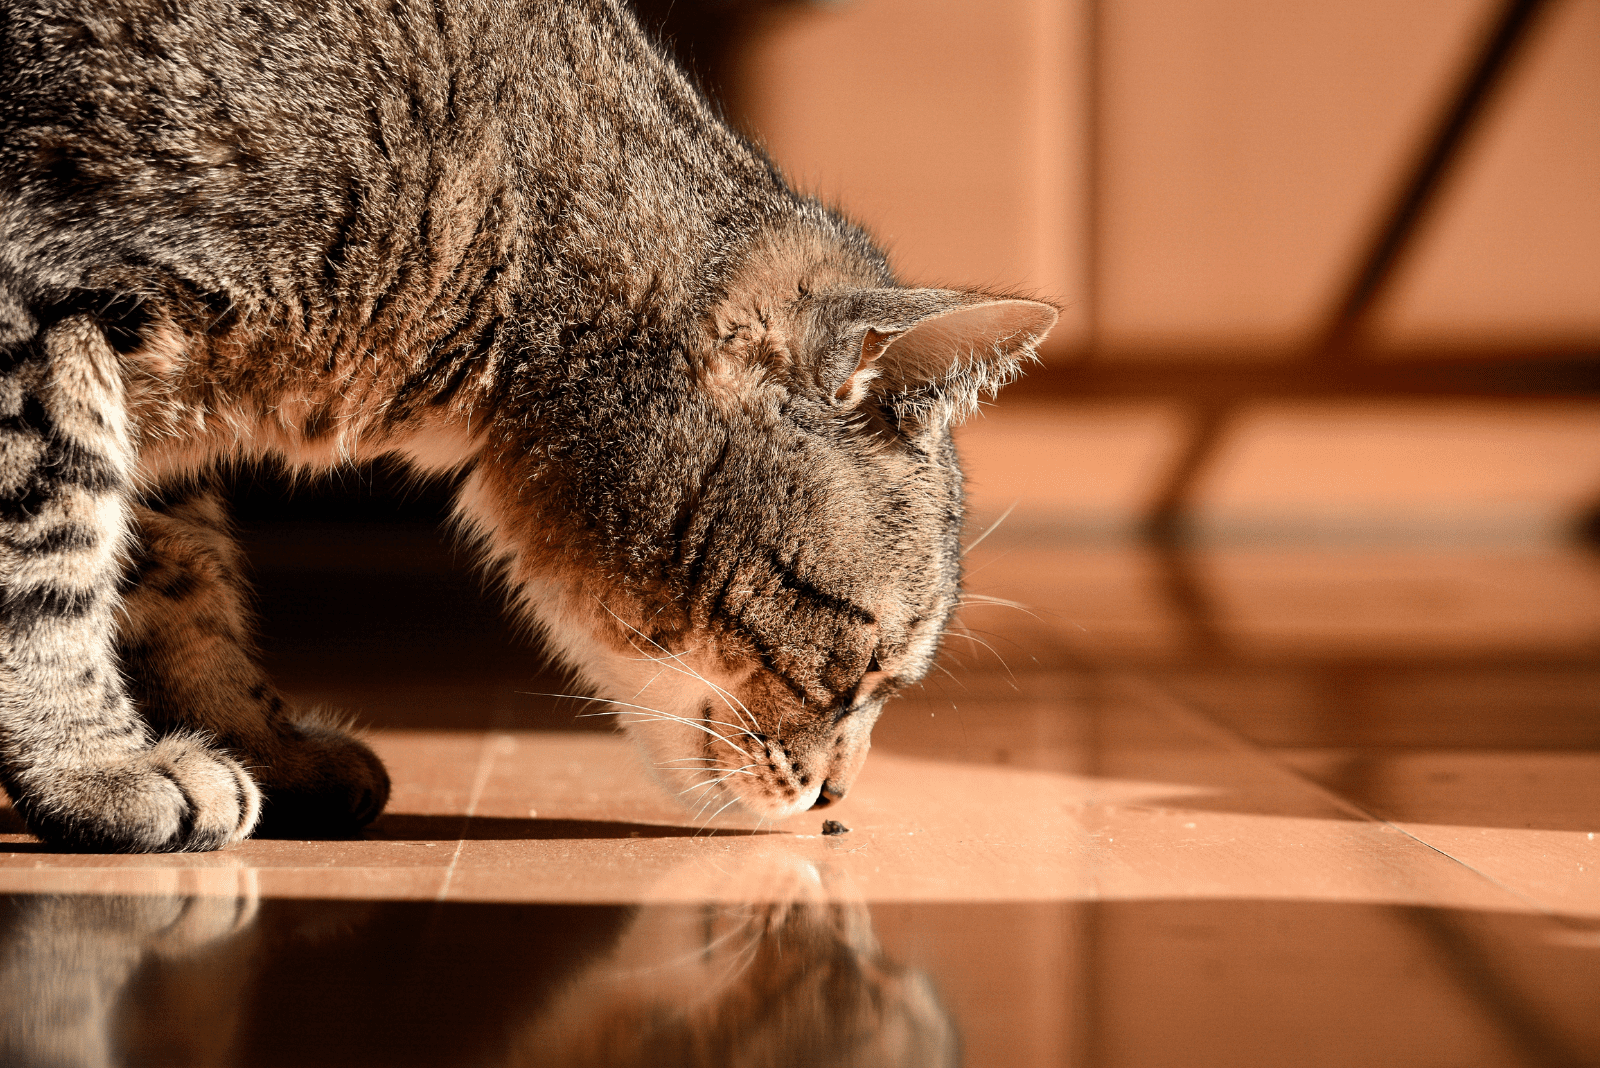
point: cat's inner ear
(932, 354)
(873, 343)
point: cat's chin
(728, 806)
(717, 791)
(724, 805)
(772, 809)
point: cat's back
(223, 140)
(303, 153)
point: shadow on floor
(400, 827)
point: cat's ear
(931, 354)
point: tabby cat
(700, 432)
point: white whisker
(1000, 602)
(725, 772)
(646, 712)
(697, 760)
(705, 804)
(720, 811)
(717, 781)
(674, 660)
(966, 633)
(665, 717)
(990, 529)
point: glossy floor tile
(1167, 813)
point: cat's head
(788, 554)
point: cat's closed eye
(863, 689)
(697, 430)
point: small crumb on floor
(834, 827)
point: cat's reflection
(790, 973)
(793, 977)
(67, 960)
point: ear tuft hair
(929, 354)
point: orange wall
(1244, 150)
(954, 130)
(1246, 146)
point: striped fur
(704, 433)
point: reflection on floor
(1237, 808)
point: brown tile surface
(1528, 820)
(1195, 835)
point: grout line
(1222, 732)
(491, 745)
(1464, 957)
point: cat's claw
(177, 796)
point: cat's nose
(827, 796)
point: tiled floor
(1233, 809)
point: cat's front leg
(80, 764)
(187, 648)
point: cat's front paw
(177, 796)
(322, 782)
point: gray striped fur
(703, 431)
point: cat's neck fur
(619, 206)
(620, 191)
(500, 234)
